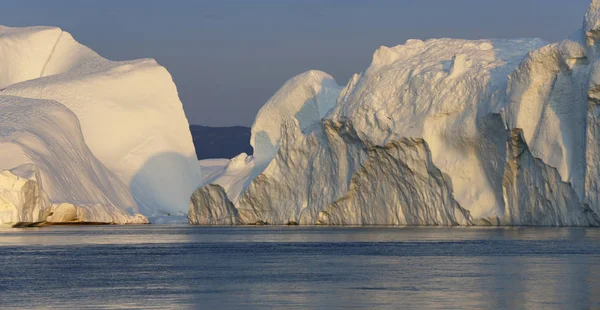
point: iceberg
(123, 119)
(436, 132)
(129, 111)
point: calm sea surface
(178, 266)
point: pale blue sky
(228, 57)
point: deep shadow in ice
(176, 189)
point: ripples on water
(155, 266)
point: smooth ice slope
(130, 114)
(306, 98)
(445, 132)
(47, 173)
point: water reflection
(300, 267)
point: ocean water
(186, 267)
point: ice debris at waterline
(85, 139)
(437, 132)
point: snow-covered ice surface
(436, 132)
(128, 112)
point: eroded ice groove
(129, 111)
(49, 174)
(462, 98)
(209, 206)
(592, 156)
(309, 172)
(397, 185)
(534, 193)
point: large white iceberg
(437, 132)
(129, 111)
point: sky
(228, 57)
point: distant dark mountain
(220, 142)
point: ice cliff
(126, 128)
(436, 132)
